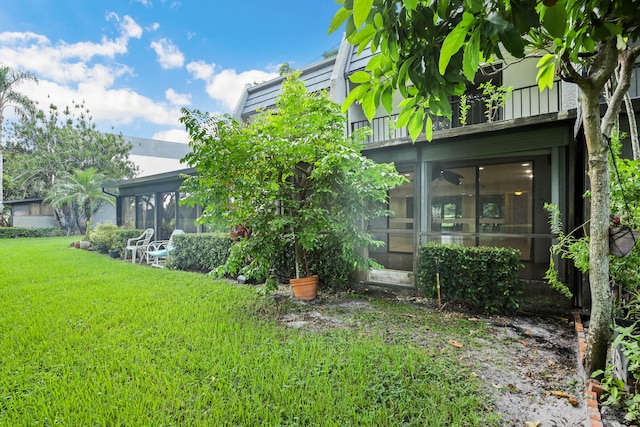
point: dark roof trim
(166, 176)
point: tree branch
(626, 61)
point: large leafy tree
(10, 79)
(428, 50)
(46, 146)
(291, 175)
(82, 192)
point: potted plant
(291, 177)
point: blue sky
(136, 63)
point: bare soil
(528, 364)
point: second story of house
(515, 82)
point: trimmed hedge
(15, 232)
(200, 252)
(485, 277)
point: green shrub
(104, 237)
(485, 277)
(15, 232)
(200, 252)
(326, 260)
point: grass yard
(87, 340)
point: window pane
(146, 211)
(401, 204)
(167, 214)
(128, 217)
(187, 217)
(453, 203)
(506, 200)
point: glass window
(20, 210)
(187, 217)
(484, 205)
(128, 213)
(453, 203)
(401, 204)
(167, 214)
(146, 211)
(506, 200)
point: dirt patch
(528, 364)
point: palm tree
(81, 190)
(9, 80)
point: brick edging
(593, 389)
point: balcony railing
(522, 102)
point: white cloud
(175, 135)
(175, 98)
(131, 28)
(227, 85)
(153, 27)
(109, 107)
(169, 56)
(201, 70)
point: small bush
(326, 260)
(485, 277)
(104, 237)
(200, 252)
(15, 232)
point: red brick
(596, 423)
(596, 388)
(594, 414)
(592, 403)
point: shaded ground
(527, 363)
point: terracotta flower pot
(305, 288)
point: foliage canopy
(290, 175)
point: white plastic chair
(139, 245)
(160, 250)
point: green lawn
(87, 340)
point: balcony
(522, 102)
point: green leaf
(410, 4)
(471, 59)
(338, 19)
(402, 73)
(473, 6)
(369, 105)
(378, 20)
(429, 128)
(416, 124)
(453, 42)
(360, 77)
(555, 20)
(356, 93)
(546, 72)
(387, 99)
(361, 10)
(404, 117)
(362, 36)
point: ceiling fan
(447, 175)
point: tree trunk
(600, 321)
(633, 127)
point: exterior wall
(38, 221)
(154, 156)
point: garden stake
(438, 283)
